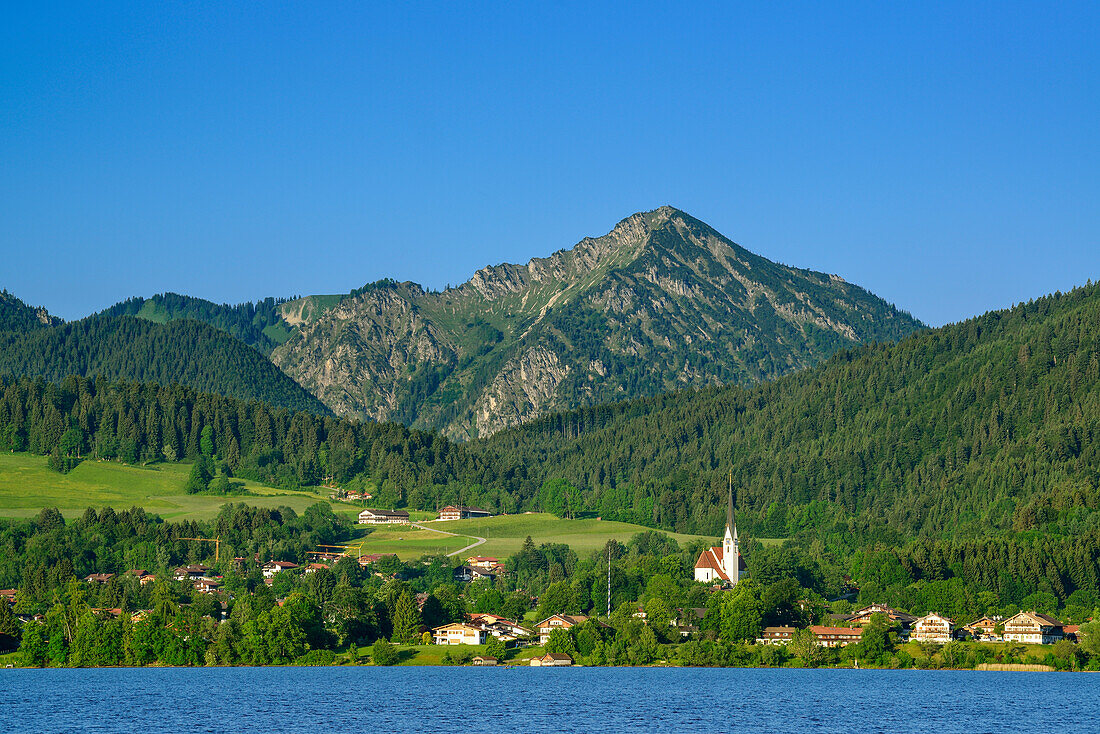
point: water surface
(321, 700)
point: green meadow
(504, 535)
(27, 485)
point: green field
(504, 535)
(27, 485)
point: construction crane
(217, 545)
(344, 548)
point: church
(722, 563)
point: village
(534, 633)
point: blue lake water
(322, 700)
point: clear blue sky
(946, 156)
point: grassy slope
(27, 485)
(504, 535)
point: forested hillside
(15, 315)
(259, 325)
(187, 352)
(986, 426)
(992, 424)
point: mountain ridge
(517, 340)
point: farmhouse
(558, 621)
(983, 630)
(775, 636)
(383, 517)
(450, 512)
(1033, 628)
(722, 563)
(835, 636)
(552, 660)
(932, 628)
(460, 633)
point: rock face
(661, 302)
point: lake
(322, 700)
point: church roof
(712, 558)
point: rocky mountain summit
(663, 301)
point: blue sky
(945, 156)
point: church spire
(729, 511)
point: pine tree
(406, 619)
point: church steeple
(731, 556)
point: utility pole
(609, 579)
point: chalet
(99, 578)
(501, 628)
(776, 636)
(1072, 632)
(1033, 628)
(932, 628)
(143, 576)
(206, 586)
(486, 562)
(460, 633)
(450, 512)
(558, 621)
(190, 572)
(484, 661)
(835, 636)
(469, 573)
(862, 617)
(552, 660)
(315, 567)
(383, 517)
(687, 620)
(273, 567)
(722, 564)
(983, 630)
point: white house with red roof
(722, 563)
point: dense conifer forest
(186, 352)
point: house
(558, 621)
(460, 633)
(143, 576)
(501, 628)
(983, 630)
(932, 628)
(450, 512)
(8, 595)
(1072, 632)
(776, 636)
(273, 567)
(1033, 628)
(862, 617)
(190, 572)
(383, 517)
(486, 661)
(469, 573)
(314, 567)
(99, 578)
(485, 562)
(723, 563)
(206, 586)
(552, 660)
(835, 636)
